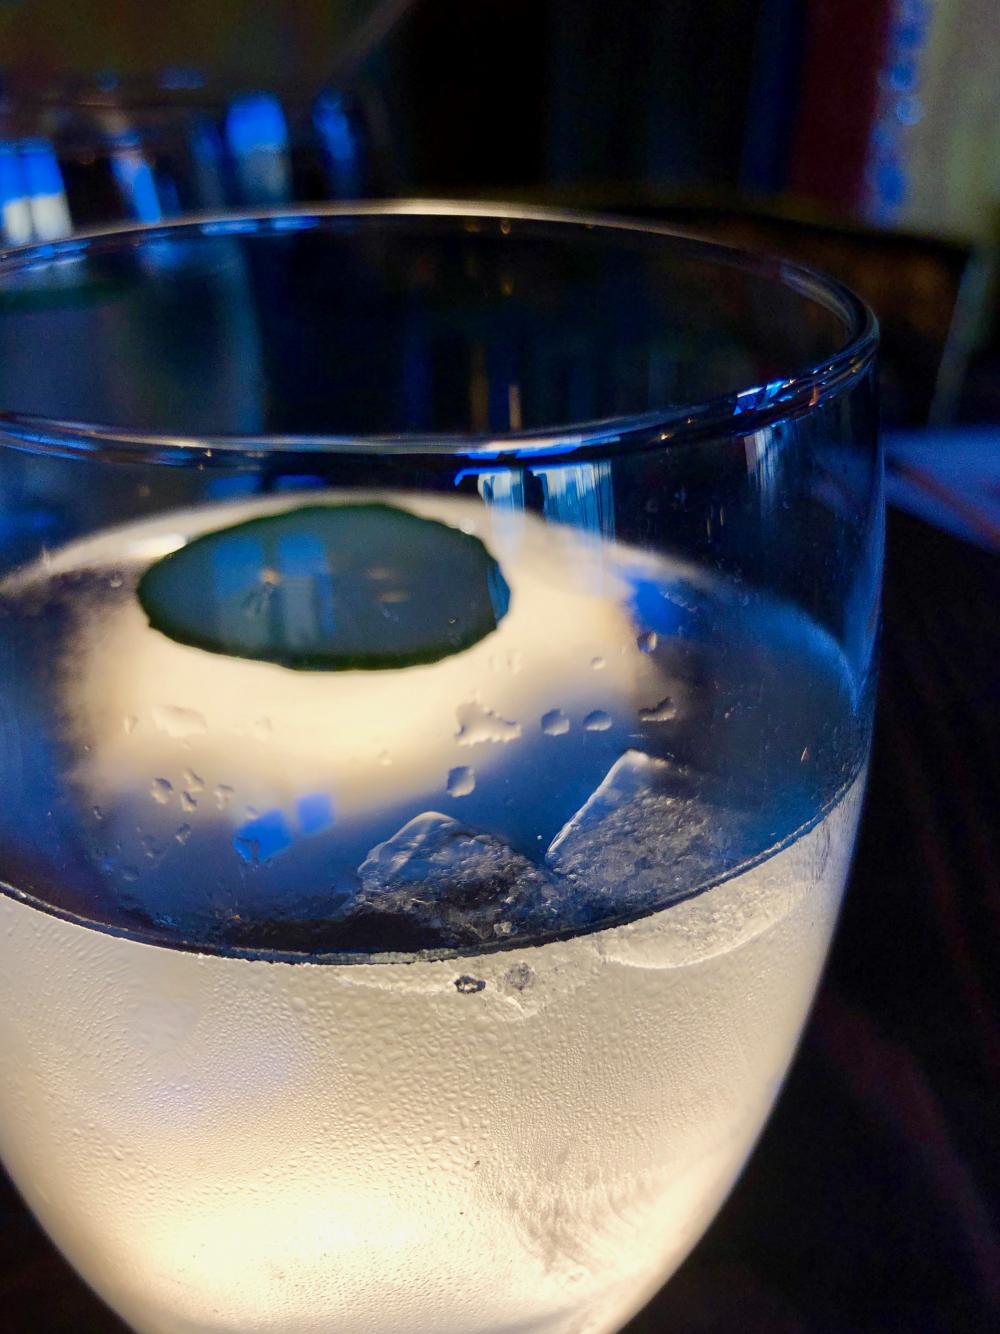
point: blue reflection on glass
(315, 813)
(652, 608)
(263, 837)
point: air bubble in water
(161, 790)
(597, 721)
(555, 723)
(461, 781)
(662, 712)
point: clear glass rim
(738, 413)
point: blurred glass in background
(862, 136)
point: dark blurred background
(862, 136)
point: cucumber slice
(329, 588)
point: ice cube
(437, 883)
(649, 834)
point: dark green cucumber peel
(329, 588)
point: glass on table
(436, 693)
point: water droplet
(115, 581)
(662, 712)
(223, 795)
(189, 802)
(597, 721)
(467, 986)
(299, 1003)
(477, 724)
(805, 756)
(598, 663)
(384, 757)
(192, 782)
(183, 833)
(129, 873)
(461, 781)
(130, 724)
(647, 641)
(161, 790)
(98, 813)
(520, 977)
(178, 723)
(151, 847)
(555, 723)
(262, 729)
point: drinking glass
(436, 682)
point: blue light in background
(334, 126)
(135, 180)
(257, 135)
(178, 78)
(40, 168)
(338, 134)
(256, 121)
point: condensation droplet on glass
(130, 723)
(192, 781)
(384, 757)
(161, 790)
(477, 724)
(223, 795)
(98, 813)
(177, 722)
(597, 721)
(130, 873)
(189, 802)
(183, 833)
(262, 729)
(520, 977)
(461, 781)
(598, 663)
(647, 641)
(115, 581)
(664, 711)
(555, 723)
(467, 985)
